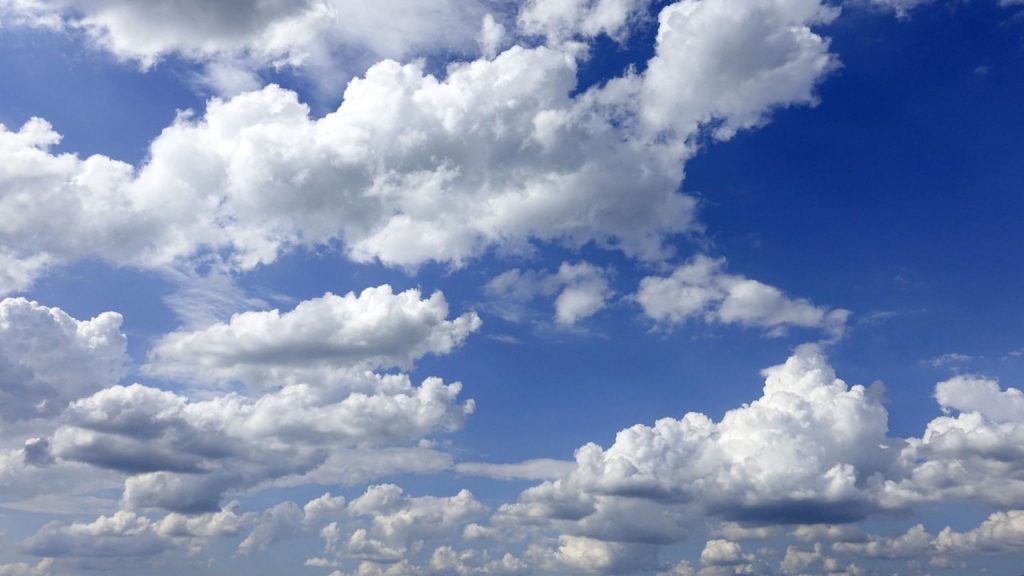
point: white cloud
(582, 290)
(950, 358)
(329, 40)
(388, 524)
(562, 20)
(702, 289)
(539, 469)
(184, 455)
(973, 453)
(48, 358)
(42, 568)
(412, 168)
(728, 63)
(321, 340)
(722, 553)
(811, 449)
(1000, 532)
(915, 543)
(120, 534)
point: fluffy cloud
(561, 20)
(722, 553)
(582, 290)
(702, 289)
(184, 455)
(728, 63)
(412, 168)
(42, 568)
(1002, 531)
(972, 453)
(333, 38)
(121, 534)
(320, 340)
(811, 449)
(48, 358)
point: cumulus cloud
(812, 449)
(384, 526)
(1000, 532)
(48, 358)
(974, 452)
(184, 455)
(579, 291)
(42, 568)
(319, 341)
(560, 20)
(702, 289)
(121, 534)
(412, 168)
(329, 39)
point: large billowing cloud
(413, 168)
(320, 342)
(811, 449)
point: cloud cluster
(810, 457)
(311, 410)
(413, 168)
(702, 289)
(185, 455)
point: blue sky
(544, 287)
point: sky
(497, 287)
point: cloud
(560, 21)
(322, 339)
(412, 168)
(1000, 532)
(540, 469)
(973, 453)
(722, 553)
(328, 40)
(48, 358)
(121, 534)
(582, 290)
(42, 568)
(949, 359)
(183, 455)
(702, 289)
(386, 524)
(812, 449)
